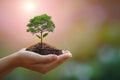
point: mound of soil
(44, 49)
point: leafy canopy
(40, 23)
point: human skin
(32, 61)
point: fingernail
(67, 55)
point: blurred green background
(90, 29)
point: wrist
(14, 60)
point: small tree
(41, 26)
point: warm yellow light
(29, 6)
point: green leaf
(44, 35)
(44, 20)
(38, 36)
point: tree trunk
(41, 39)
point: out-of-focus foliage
(90, 29)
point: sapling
(41, 26)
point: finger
(68, 52)
(62, 58)
(37, 58)
(47, 58)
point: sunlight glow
(29, 6)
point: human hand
(39, 63)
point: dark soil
(44, 49)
